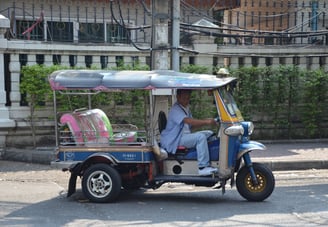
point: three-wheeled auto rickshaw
(109, 158)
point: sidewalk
(280, 155)
(294, 154)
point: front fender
(248, 146)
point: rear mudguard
(77, 169)
(74, 169)
(248, 146)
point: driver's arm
(199, 122)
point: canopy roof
(108, 80)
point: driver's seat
(162, 120)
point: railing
(246, 22)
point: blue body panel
(119, 156)
(233, 148)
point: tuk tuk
(109, 157)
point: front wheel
(255, 192)
(101, 183)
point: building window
(323, 19)
(72, 60)
(119, 61)
(23, 61)
(238, 19)
(135, 61)
(281, 19)
(245, 19)
(191, 60)
(117, 34)
(273, 21)
(104, 61)
(91, 32)
(282, 61)
(322, 61)
(215, 61)
(60, 31)
(268, 61)
(241, 61)
(248, 40)
(252, 19)
(308, 63)
(39, 59)
(148, 61)
(88, 61)
(56, 59)
(25, 30)
(268, 41)
(7, 78)
(296, 60)
(255, 61)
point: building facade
(104, 34)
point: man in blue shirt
(178, 132)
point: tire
(246, 187)
(101, 183)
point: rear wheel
(101, 183)
(255, 192)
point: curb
(41, 155)
(294, 165)
(46, 155)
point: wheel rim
(99, 184)
(255, 188)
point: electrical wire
(124, 27)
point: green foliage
(200, 102)
(35, 85)
(315, 101)
(136, 66)
(287, 101)
(194, 69)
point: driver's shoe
(207, 171)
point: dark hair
(180, 91)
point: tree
(37, 89)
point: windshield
(229, 102)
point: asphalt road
(35, 195)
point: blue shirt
(170, 136)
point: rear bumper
(61, 164)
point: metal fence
(236, 22)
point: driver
(178, 132)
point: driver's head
(183, 96)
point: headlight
(248, 128)
(234, 130)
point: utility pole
(175, 19)
(161, 48)
(160, 45)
